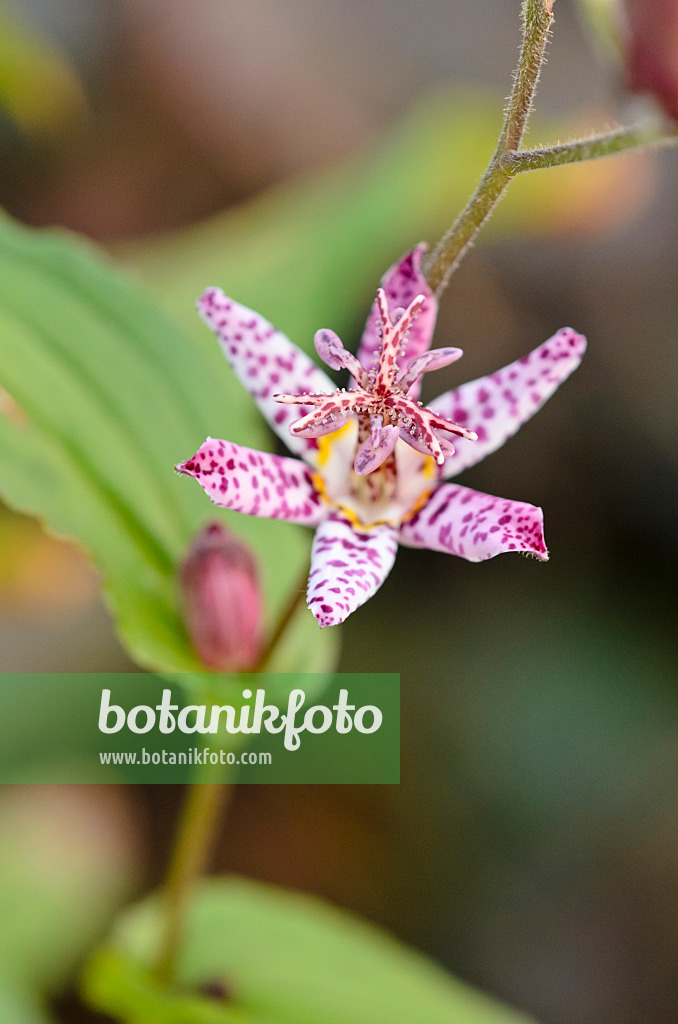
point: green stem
(452, 248)
(537, 20)
(509, 160)
(205, 802)
(286, 616)
(443, 261)
(616, 141)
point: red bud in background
(652, 50)
(222, 600)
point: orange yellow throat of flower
(392, 493)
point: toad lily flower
(373, 461)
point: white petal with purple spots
(266, 362)
(255, 483)
(347, 567)
(496, 406)
(474, 525)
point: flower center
(380, 399)
(390, 494)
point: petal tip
(327, 618)
(572, 340)
(209, 302)
(187, 468)
(414, 256)
(538, 547)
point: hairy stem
(537, 20)
(607, 144)
(440, 265)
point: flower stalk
(509, 160)
(448, 254)
(618, 140)
(295, 601)
(205, 804)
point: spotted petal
(256, 483)
(347, 567)
(475, 526)
(402, 283)
(496, 406)
(266, 362)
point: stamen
(379, 400)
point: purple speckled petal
(255, 483)
(347, 567)
(475, 526)
(402, 283)
(266, 362)
(496, 406)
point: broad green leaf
(286, 959)
(103, 395)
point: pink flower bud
(652, 50)
(222, 600)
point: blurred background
(532, 846)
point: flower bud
(652, 50)
(222, 600)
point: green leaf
(103, 396)
(285, 959)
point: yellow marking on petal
(427, 473)
(352, 517)
(319, 485)
(430, 467)
(418, 505)
(326, 441)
